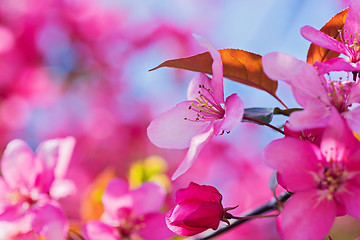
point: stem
(253, 217)
(286, 112)
(267, 207)
(263, 123)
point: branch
(267, 207)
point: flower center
(207, 108)
(338, 94)
(352, 47)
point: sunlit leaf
(331, 28)
(239, 65)
(152, 168)
(91, 205)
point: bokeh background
(80, 68)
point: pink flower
(130, 213)
(29, 184)
(324, 180)
(314, 92)
(349, 44)
(195, 122)
(198, 208)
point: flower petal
(295, 160)
(196, 84)
(350, 198)
(96, 230)
(171, 130)
(335, 64)
(352, 26)
(53, 156)
(353, 119)
(217, 67)
(155, 221)
(306, 82)
(154, 195)
(16, 161)
(50, 222)
(338, 141)
(201, 192)
(234, 112)
(307, 215)
(313, 116)
(321, 39)
(116, 196)
(197, 143)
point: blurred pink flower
(349, 44)
(324, 180)
(314, 92)
(198, 208)
(29, 185)
(195, 122)
(130, 213)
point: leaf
(331, 28)
(262, 114)
(239, 65)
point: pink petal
(353, 119)
(14, 221)
(355, 93)
(349, 196)
(196, 191)
(96, 230)
(306, 82)
(66, 147)
(155, 221)
(352, 26)
(171, 130)
(62, 188)
(335, 64)
(202, 84)
(321, 39)
(307, 215)
(217, 67)
(338, 140)
(207, 215)
(16, 161)
(116, 196)
(197, 143)
(181, 230)
(234, 112)
(313, 116)
(50, 222)
(296, 162)
(154, 195)
(54, 156)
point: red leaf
(239, 65)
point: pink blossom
(29, 183)
(195, 122)
(324, 180)
(130, 213)
(349, 44)
(314, 92)
(198, 208)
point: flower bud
(198, 208)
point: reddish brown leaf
(239, 65)
(331, 28)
